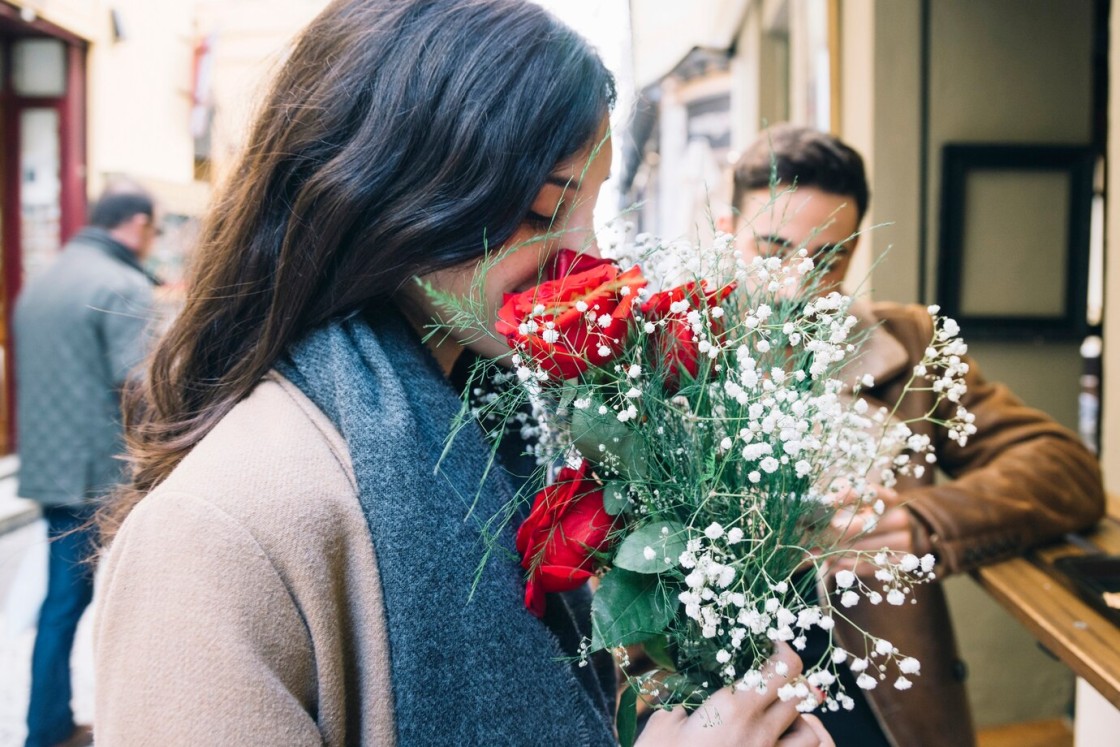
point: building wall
(999, 74)
(139, 94)
(880, 117)
(251, 39)
(1110, 412)
(999, 71)
(138, 87)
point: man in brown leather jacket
(1020, 480)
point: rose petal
(560, 578)
(534, 598)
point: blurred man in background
(79, 327)
(1020, 480)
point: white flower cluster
(668, 265)
(896, 579)
(944, 366)
(739, 624)
(755, 455)
(872, 668)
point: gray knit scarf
(466, 670)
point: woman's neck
(443, 347)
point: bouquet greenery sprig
(696, 434)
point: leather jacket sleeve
(1020, 480)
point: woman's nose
(592, 247)
(580, 235)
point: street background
(162, 90)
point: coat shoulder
(275, 463)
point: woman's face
(560, 217)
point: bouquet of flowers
(695, 433)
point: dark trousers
(69, 591)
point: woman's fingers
(755, 717)
(780, 715)
(818, 729)
(756, 713)
(807, 731)
(663, 719)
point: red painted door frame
(71, 109)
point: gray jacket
(79, 328)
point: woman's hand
(743, 719)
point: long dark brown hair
(400, 137)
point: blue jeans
(69, 591)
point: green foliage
(616, 498)
(628, 608)
(659, 650)
(627, 719)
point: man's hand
(856, 526)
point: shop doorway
(42, 165)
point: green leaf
(632, 455)
(627, 718)
(628, 608)
(616, 498)
(667, 539)
(590, 429)
(657, 649)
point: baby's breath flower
(866, 682)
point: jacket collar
(99, 238)
(881, 355)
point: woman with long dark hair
(288, 565)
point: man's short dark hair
(115, 207)
(792, 155)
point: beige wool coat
(260, 534)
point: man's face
(138, 233)
(822, 223)
(148, 233)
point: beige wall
(139, 94)
(999, 74)
(879, 69)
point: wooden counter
(1031, 590)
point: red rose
(563, 531)
(579, 318)
(675, 338)
(568, 263)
